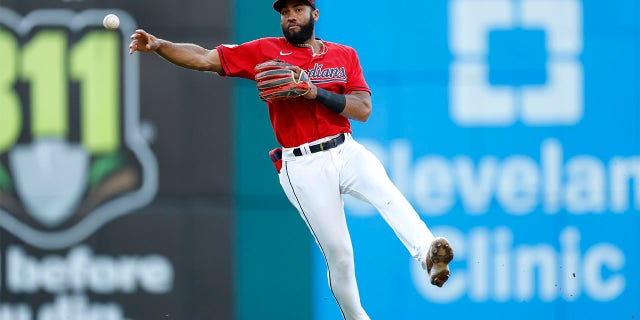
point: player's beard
(302, 36)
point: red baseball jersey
(297, 121)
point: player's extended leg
(311, 184)
(364, 177)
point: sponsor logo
(538, 42)
(285, 53)
(80, 275)
(72, 154)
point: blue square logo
(517, 57)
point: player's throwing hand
(143, 41)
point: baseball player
(312, 88)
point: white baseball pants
(315, 182)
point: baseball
(111, 21)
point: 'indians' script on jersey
(318, 74)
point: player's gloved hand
(278, 80)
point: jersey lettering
(318, 74)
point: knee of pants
(341, 260)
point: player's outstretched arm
(186, 55)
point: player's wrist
(335, 102)
(312, 94)
(156, 44)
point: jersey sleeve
(239, 60)
(356, 80)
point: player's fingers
(297, 70)
(133, 46)
(141, 41)
(138, 33)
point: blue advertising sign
(512, 126)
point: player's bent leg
(366, 179)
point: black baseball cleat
(438, 258)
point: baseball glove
(276, 82)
